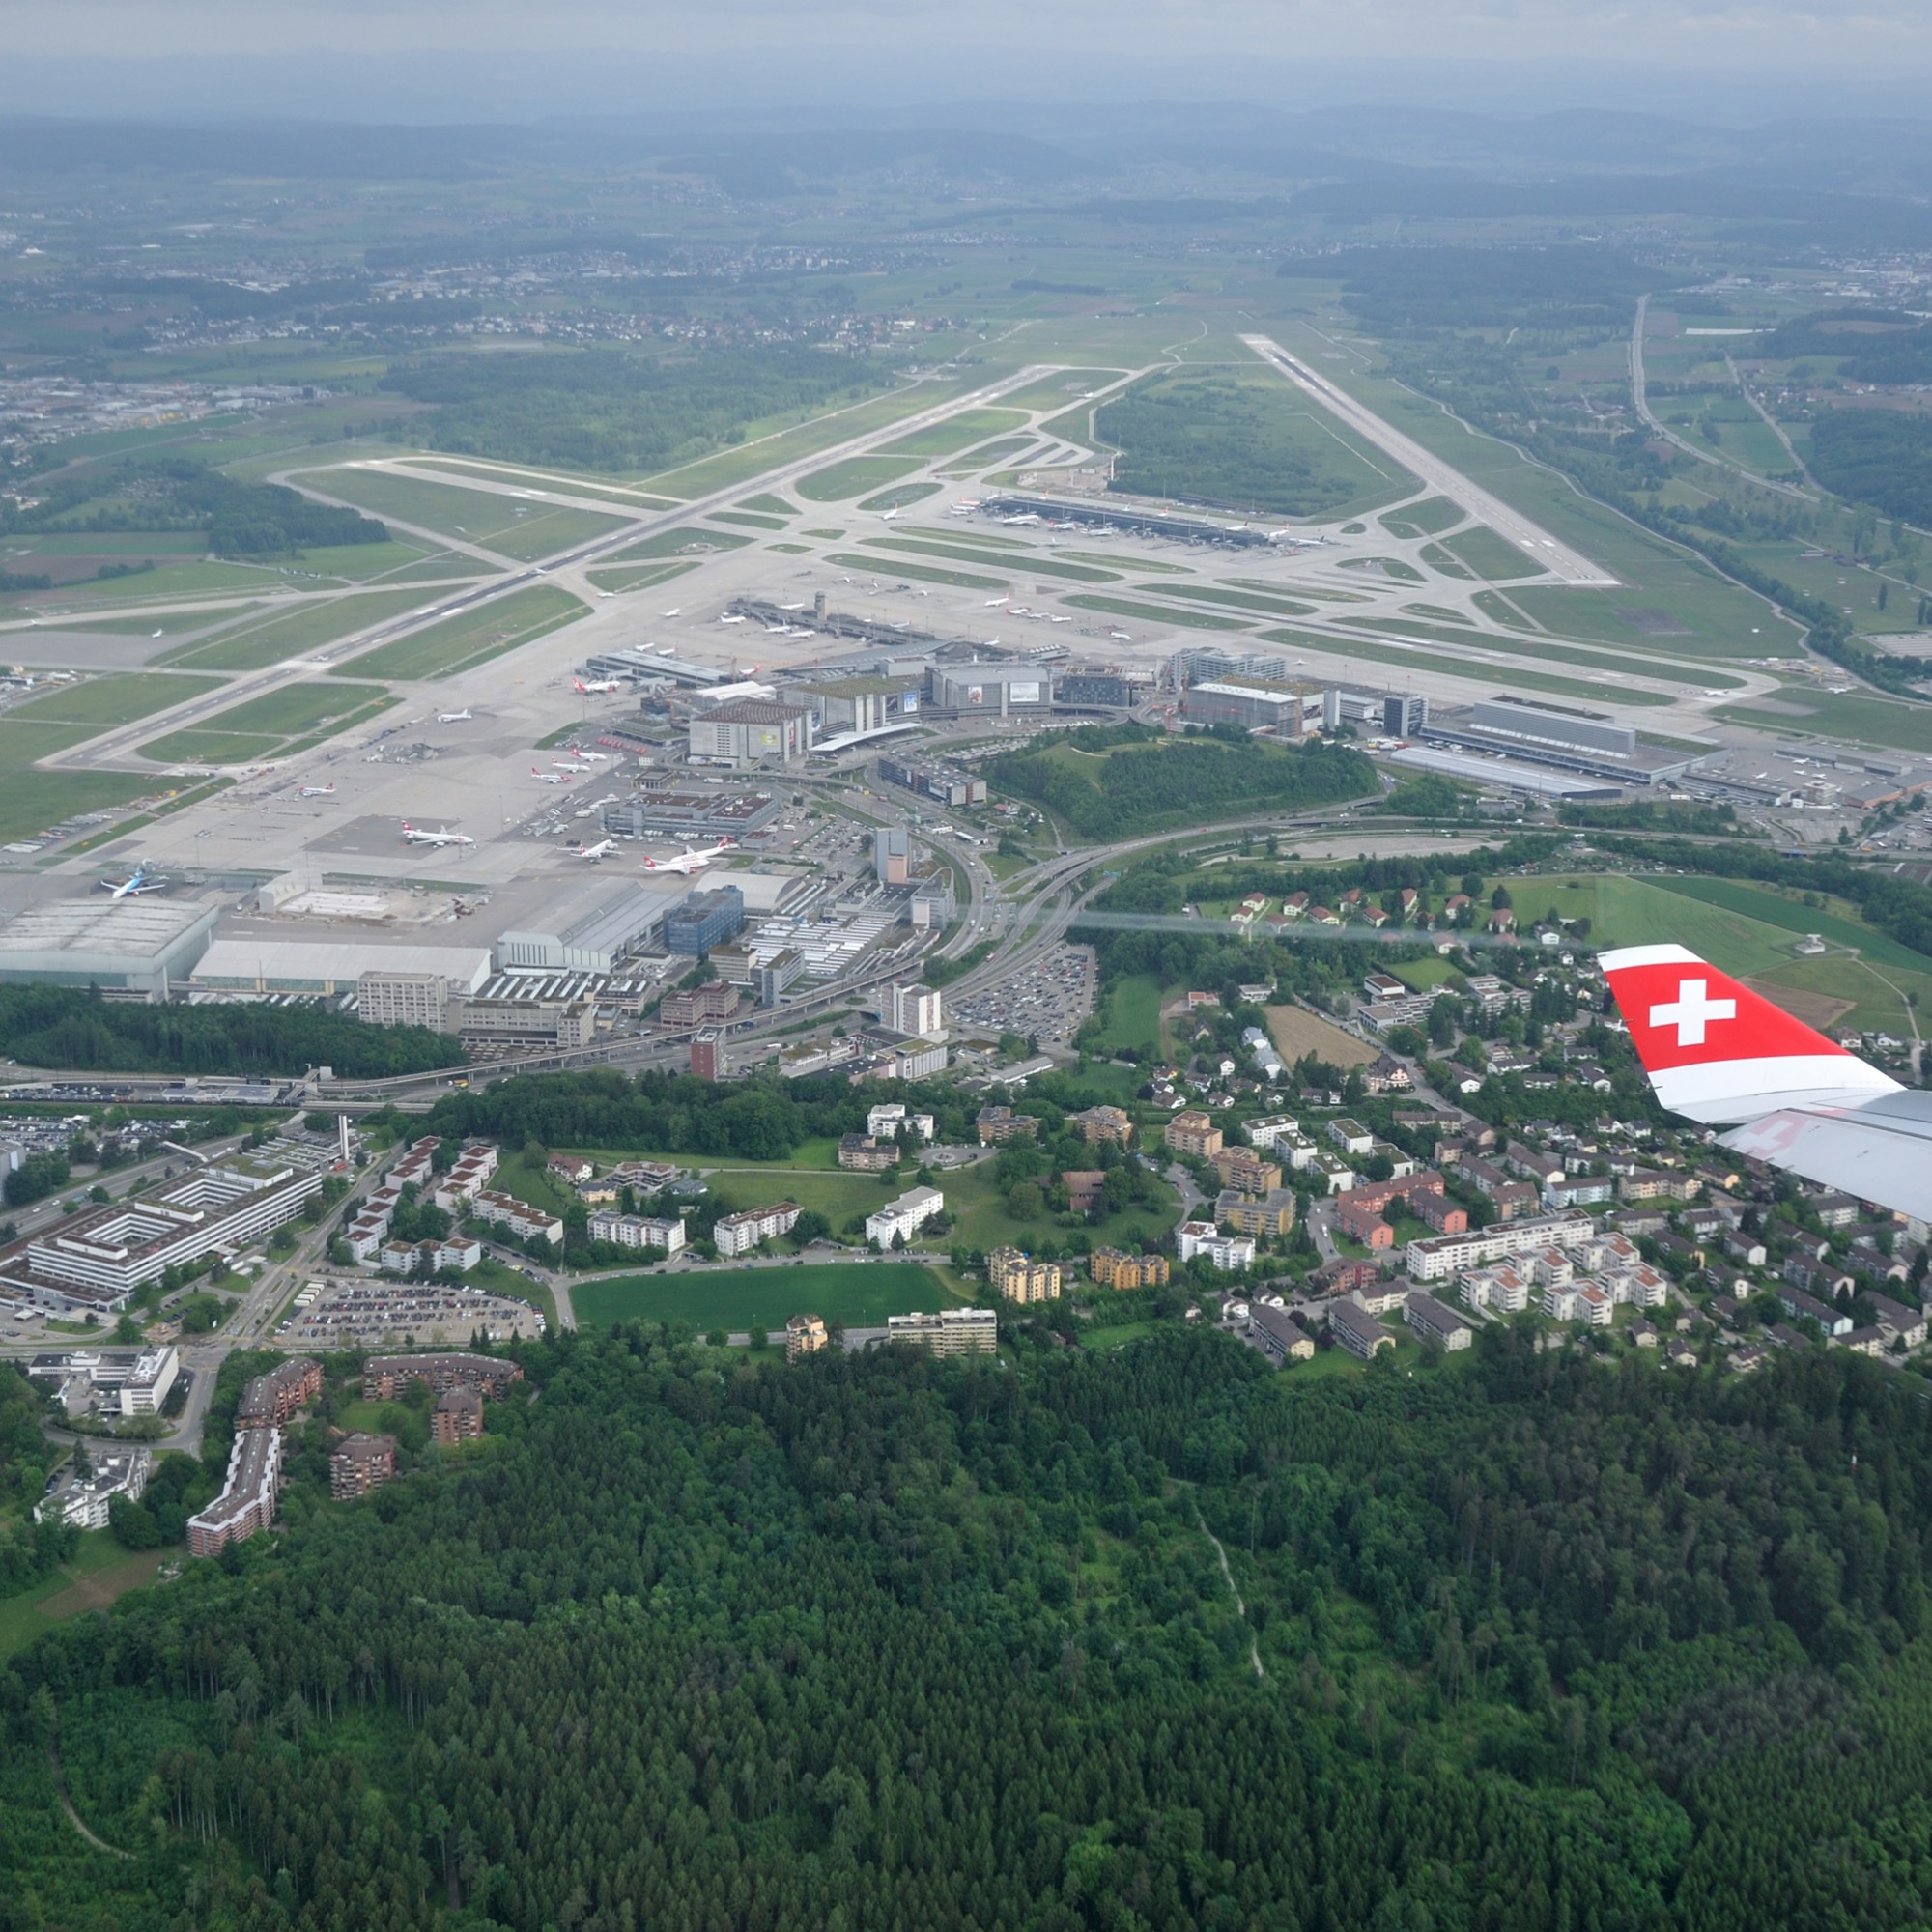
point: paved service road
(1558, 558)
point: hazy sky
(1720, 33)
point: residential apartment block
(505, 1211)
(1193, 1132)
(359, 1464)
(383, 1375)
(739, 1234)
(952, 1332)
(1018, 1277)
(1112, 1268)
(661, 1234)
(805, 1335)
(906, 1215)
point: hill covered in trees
(1112, 782)
(1525, 1641)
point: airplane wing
(1719, 1053)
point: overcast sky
(1884, 33)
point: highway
(1570, 566)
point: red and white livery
(1719, 1053)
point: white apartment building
(148, 1381)
(505, 1211)
(952, 1332)
(661, 1234)
(886, 1119)
(739, 1234)
(403, 999)
(906, 1215)
(1227, 1252)
(1438, 1256)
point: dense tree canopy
(1529, 1641)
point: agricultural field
(288, 633)
(470, 637)
(262, 726)
(1297, 1033)
(861, 1294)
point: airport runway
(1565, 564)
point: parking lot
(1046, 1001)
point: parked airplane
(453, 717)
(569, 765)
(316, 791)
(599, 684)
(1719, 1053)
(549, 778)
(731, 620)
(601, 850)
(675, 610)
(415, 835)
(136, 881)
(592, 757)
(687, 861)
(887, 516)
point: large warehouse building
(144, 948)
(328, 966)
(591, 929)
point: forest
(605, 410)
(74, 1028)
(1871, 345)
(173, 492)
(1881, 457)
(1423, 290)
(1143, 783)
(1527, 1640)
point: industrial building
(97, 1259)
(933, 782)
(529, 1010)
(144, 948)
(1095, 685)
(692, 811)
(750, 731)
(999, 690)
(330, 966)
(637, 666)
(705, 919)
(1561, 736)
(403, 999)
(590, 930)
(864, 704)
(1251, 707)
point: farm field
(288, 633)
(470, 637)
(861, 1294)
(1298, 1033)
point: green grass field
(471, 637)
(1429, 517)
(942, 439)
(514, 529)
(1452, 664)
(1491, 556)
(752, 518)
(672, 543)
(898, 498)
(289, 633)
(99, 1571)
(858, 1294)
(640, 577)
(771, 505)
(115, 699)
(256, 728)
(1860, 715)
(1055, 390)
(855, 476)
(30, 800)
(1132, 1012)
(1241, 600)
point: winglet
(1717, 1051)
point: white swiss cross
(1694, 1007)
